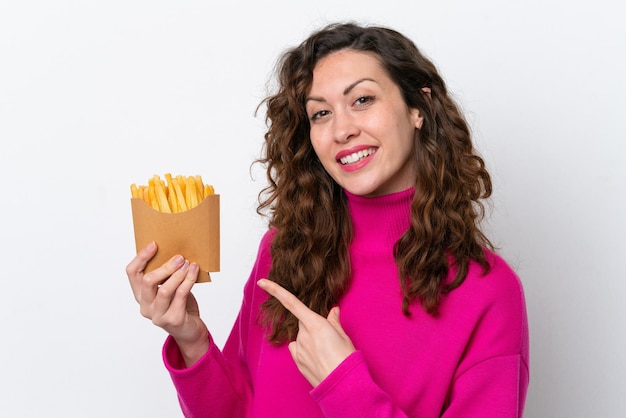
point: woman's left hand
(321, 344)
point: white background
(97, 95)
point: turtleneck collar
(378, 222)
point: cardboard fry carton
(194, 234)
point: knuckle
(145, 312)
(164, 292)
(289, 304)
(165, 322)
(152, 278)
(182, 291)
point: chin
(362, 190)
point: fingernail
(193, 269)
(178, 260)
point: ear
(416, 114)
(417, 117)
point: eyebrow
(345, 91)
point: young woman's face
(361, 129)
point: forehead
(345, 66)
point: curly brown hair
(308, 209)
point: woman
(374, 292)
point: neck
(379, 222)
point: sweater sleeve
(213, 386)
(491, 376)
(495, 388)
(218, 384)
(350, 391)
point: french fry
(181, 183)
(181, 205)
(191, 196)
(152, 197)
(199, 187)
(164, 205)
(171, 194)
(175, 194)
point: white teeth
(353, 158)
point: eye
(364, 100)
(318, 115)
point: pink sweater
(470, 361)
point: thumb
(333, 319)
(293, 349)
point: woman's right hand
(164, 296)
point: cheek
(318, 146)
(324, 155)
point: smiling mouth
(356, 156)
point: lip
(361, 163)
(352, 150)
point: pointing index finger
(288, 300)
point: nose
(344, 127)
